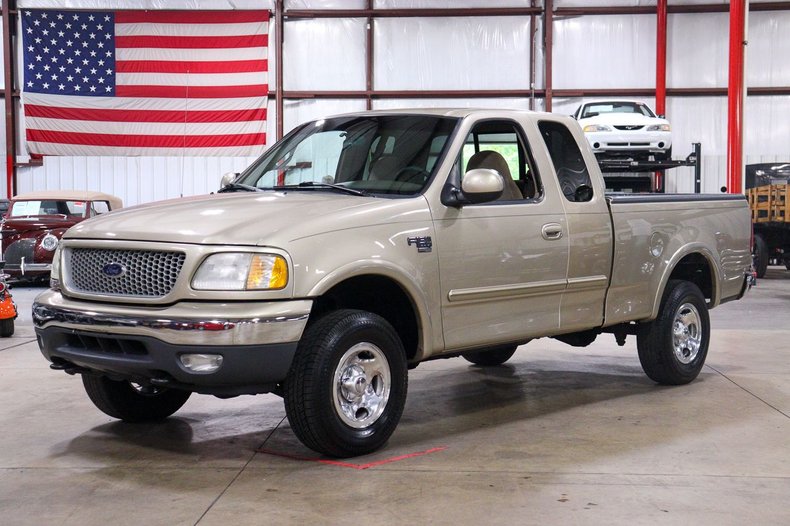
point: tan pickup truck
(361, 245)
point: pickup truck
(361, 245)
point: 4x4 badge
(424, 244)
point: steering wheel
(407, 174)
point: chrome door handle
(551, 231)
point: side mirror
(662, 116)
(227, 179)
(482, 185)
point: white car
(625, 128)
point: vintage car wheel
(672, 348)
(7, 328)
(493, 356)
(347, 386)
(133, 402)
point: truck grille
(18, 250)
(138, 273)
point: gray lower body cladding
(246, 369)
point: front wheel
(346, 389)
(672, 348)
(133, 402)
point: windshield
(591, 110)
(47, 207)
(381, 154)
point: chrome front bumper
(185, 323)
(256, 340)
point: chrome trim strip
(508, 291)
(587, 283)
(205, 323)
(43, 315)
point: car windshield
(598, 108)
(380, 154)
(48, 207)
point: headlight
(658, 127)
(241, 271)
(54, 273)
(597, 128)
(49, 242)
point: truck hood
(261, 218)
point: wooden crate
(769, 203)
(760, 202)
(779, 210)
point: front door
(502, 264)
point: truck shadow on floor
(450, 407)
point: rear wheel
(493, 356)
(346, 389)
(760, 256)
(7, 327)
(132, 402)
(672, 348)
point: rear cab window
(569, 165)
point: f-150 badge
(424, 244)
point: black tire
(665, 156)
(492, 356)
(760, 256)
(318, 404)
(7, 328)
(673, 359)
(132, 403)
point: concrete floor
(557, 436)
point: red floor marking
(351, 465)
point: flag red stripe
(192, 92)
(184, 42)
(191, 17)
(86, 114)
(171, 66)
(147, 141)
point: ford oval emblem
(113, 270)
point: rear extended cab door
(575, 171)
(502, 264)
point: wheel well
(696, 269)
(379, 295)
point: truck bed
(682, 224)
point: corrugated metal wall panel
(134, 179)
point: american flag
(145, 82)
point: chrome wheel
(362, 385)
(686, 333)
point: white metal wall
(612, 51)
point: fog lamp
(201, 363)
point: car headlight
(54, 273)
(597, 128)
(658, 127)
(241, 271)
(49, 242)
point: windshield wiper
(311, 184)
(235, 187)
